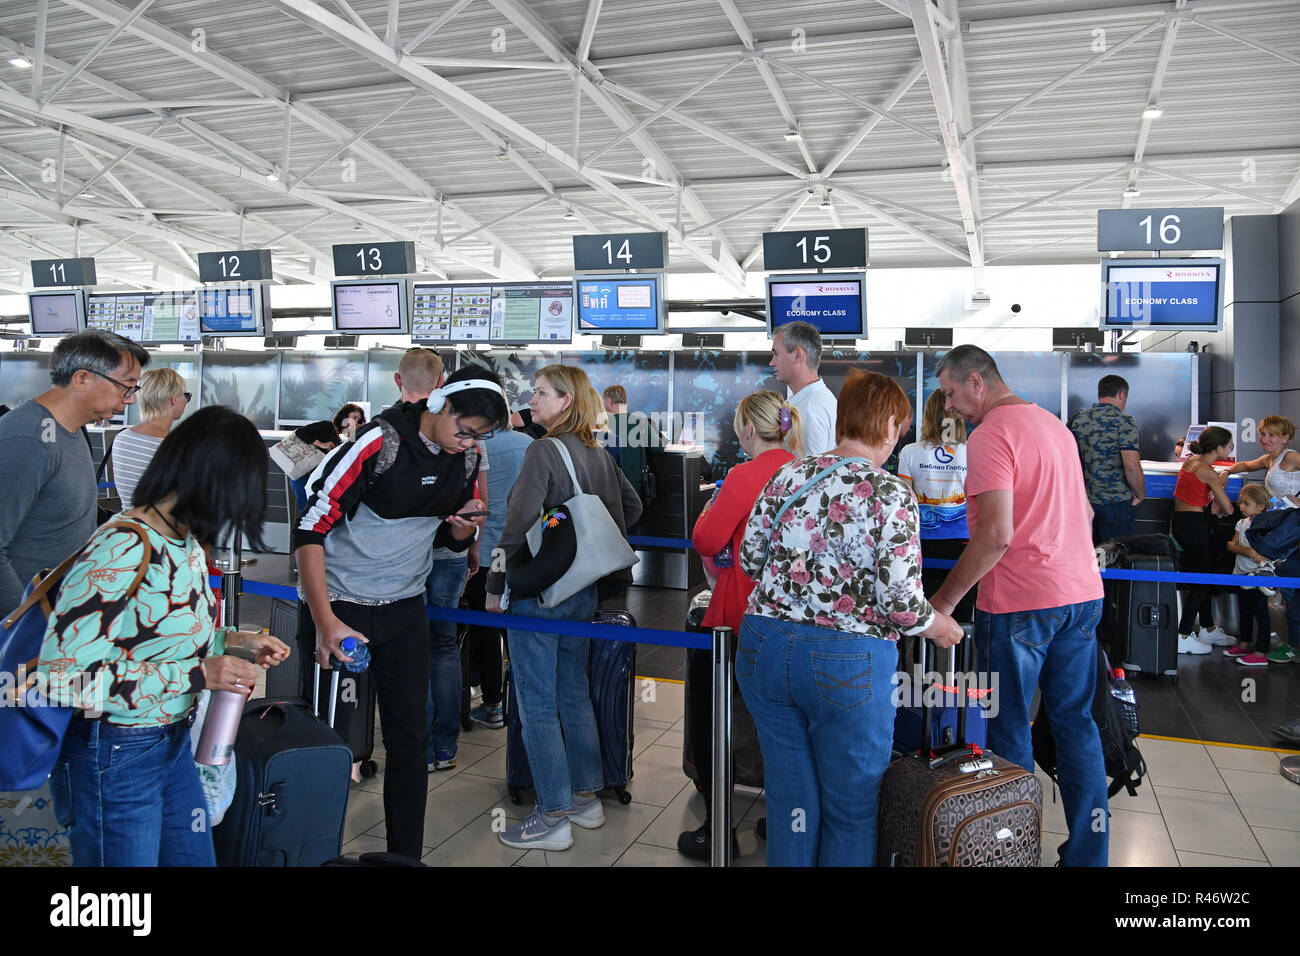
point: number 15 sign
(818, 249)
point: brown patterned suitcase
(960, 806)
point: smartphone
(470, 514)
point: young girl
(1251, 603)
(1199, 484)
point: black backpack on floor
(1116, 721)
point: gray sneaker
(1288, 731)
(536, 834)
(589, 816)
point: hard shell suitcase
(1140, 618)
(959, 806)
(292, 792)
(285, 681)
(355, 704)
(611, 669)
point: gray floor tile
(476, 845)
(1186, 858)
(1265, 799)
(1282, 847)
(1204, 822)
(1138, 839)
(458, 802)
(1181, 766)
(658, 776)
(365, 810)
(643, 854)
(1239, 758)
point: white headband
(438, 397)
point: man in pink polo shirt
(1040, 590)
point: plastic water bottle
(1275, 502)
(1122, 691)
(358, 651)
(725, 558)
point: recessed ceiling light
(503, 153)
(569, 215)
(273, 176)
(1152, 112)
(21, 62)
(1131, 193)
(792, 135)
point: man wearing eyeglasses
(47, 510)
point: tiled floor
(1199, 806)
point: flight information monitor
(1168, 294)
(57, 313)
(235, 310)
(506, 313)
(620, 303)
(835, 304)
(370, 306)
(146, 317)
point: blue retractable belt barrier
(606, 632)
(108, 484)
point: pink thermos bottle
(225, 708)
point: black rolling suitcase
(746, 755)
(611, 669)
(286, 681)
(1140, 618)
(292, 791)
(958, 806)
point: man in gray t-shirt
(47, 510)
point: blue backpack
(32, 728)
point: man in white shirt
(796, 352)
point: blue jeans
(550, 677)
(131, 796)
(1055, 648)
(822, 702)
(1113, 520)
(442, 589)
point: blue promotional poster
(833, 306)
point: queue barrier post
(232, 579)
(720, 810)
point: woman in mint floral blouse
(836, 587)
(125, 781)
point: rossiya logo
(1189, 274)
(837, 288)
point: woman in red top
(1199, 484)
(770, 434)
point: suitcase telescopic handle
(927, 716)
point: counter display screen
(231, 311)
(146, 316)
(361, 306)
(56, 313)
(1162, 294)
(510, 312)
(632, 304)
(835, 305)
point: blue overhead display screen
(835, 305)
(1162, 293)
(620, 304)
(230, 311)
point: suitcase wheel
(515, 796)
(699, 786)
(368, 769)
(466, 724)
(623, 796)
(761, 827)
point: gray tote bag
(602, 548)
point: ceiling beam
(927, 36)
(1050, 197)
(516, 265)
(588, 30)
(97, 49)
(724, 263)
(436, 25)
(1153, 97)
(786, 218)
(888, 103)
(1291, 194)
(748, 41)
(885, 215)
(1250, 42)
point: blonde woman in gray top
(162, 402)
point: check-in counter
(681, 493)
(1155, 513)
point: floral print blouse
(847, 554)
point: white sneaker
(536, 834)
(1216, 637)
(1190, 645)
(589, 817)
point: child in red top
(770, 435)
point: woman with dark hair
(348, 419)
(550, 670)
(832, 547)
(1198, 485)
(375, 511)
(125, 782)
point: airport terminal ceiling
(972, 134)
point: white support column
(928, 40)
